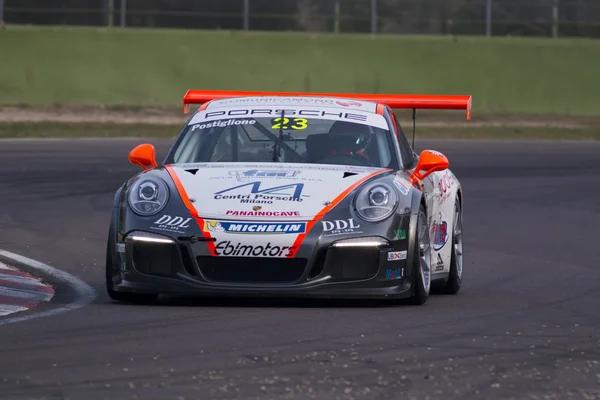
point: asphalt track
(526, 324)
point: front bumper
(184, 269)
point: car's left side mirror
(430, 161)
(143, 155)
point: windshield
(295, 138)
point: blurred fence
(551, 18)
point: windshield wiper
(276, 146)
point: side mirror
(143, 155)
(430, 161)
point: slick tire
(134, 298)
(454, 282)
(421, 261)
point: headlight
(376, 201)
(148, 196)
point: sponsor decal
(393, 273)
(439, 265)
(223, 123)
(255, 228)
(252, 193)
(348, 103)
(274, 174)
(258, 213)
(276, 100)
(256, 208)
(435, 153)
(291, 112)
(331, 112)
(267, 172)
(396, 255)
(399, 234)
(120, 247)
(256, 173)
(340, 227)
(402, 185)
(317, 101)
(439, 232)
(445, 185)
(230, 249)
(169, 223)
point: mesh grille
(252, 269)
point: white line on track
(83, 293)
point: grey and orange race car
(289, 194)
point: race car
(290, 195)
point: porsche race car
(289, 194)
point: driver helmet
(349, 138)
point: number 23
(299, 123)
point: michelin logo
(254, 228)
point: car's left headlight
(148, 196)
(376, 202)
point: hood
(256, 191)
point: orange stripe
(204, 106)
(191, 208)
(380, 108)
(325, 210)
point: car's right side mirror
(430, 161)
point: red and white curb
(20, 291)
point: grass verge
(141, 67)
(83, 130)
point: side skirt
(440, 276)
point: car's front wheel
(421, 261)
(137, 298)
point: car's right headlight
(148, 196)
(376, 202)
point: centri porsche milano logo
(256, 192)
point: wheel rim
(458, 240)
(424, 252)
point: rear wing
(414, 101)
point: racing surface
(525, 324)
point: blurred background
(545, 18)
(121, 67)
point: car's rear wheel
(136, 298)
(421, 261)
(454, 282)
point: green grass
(76, 130)
(141, 67)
